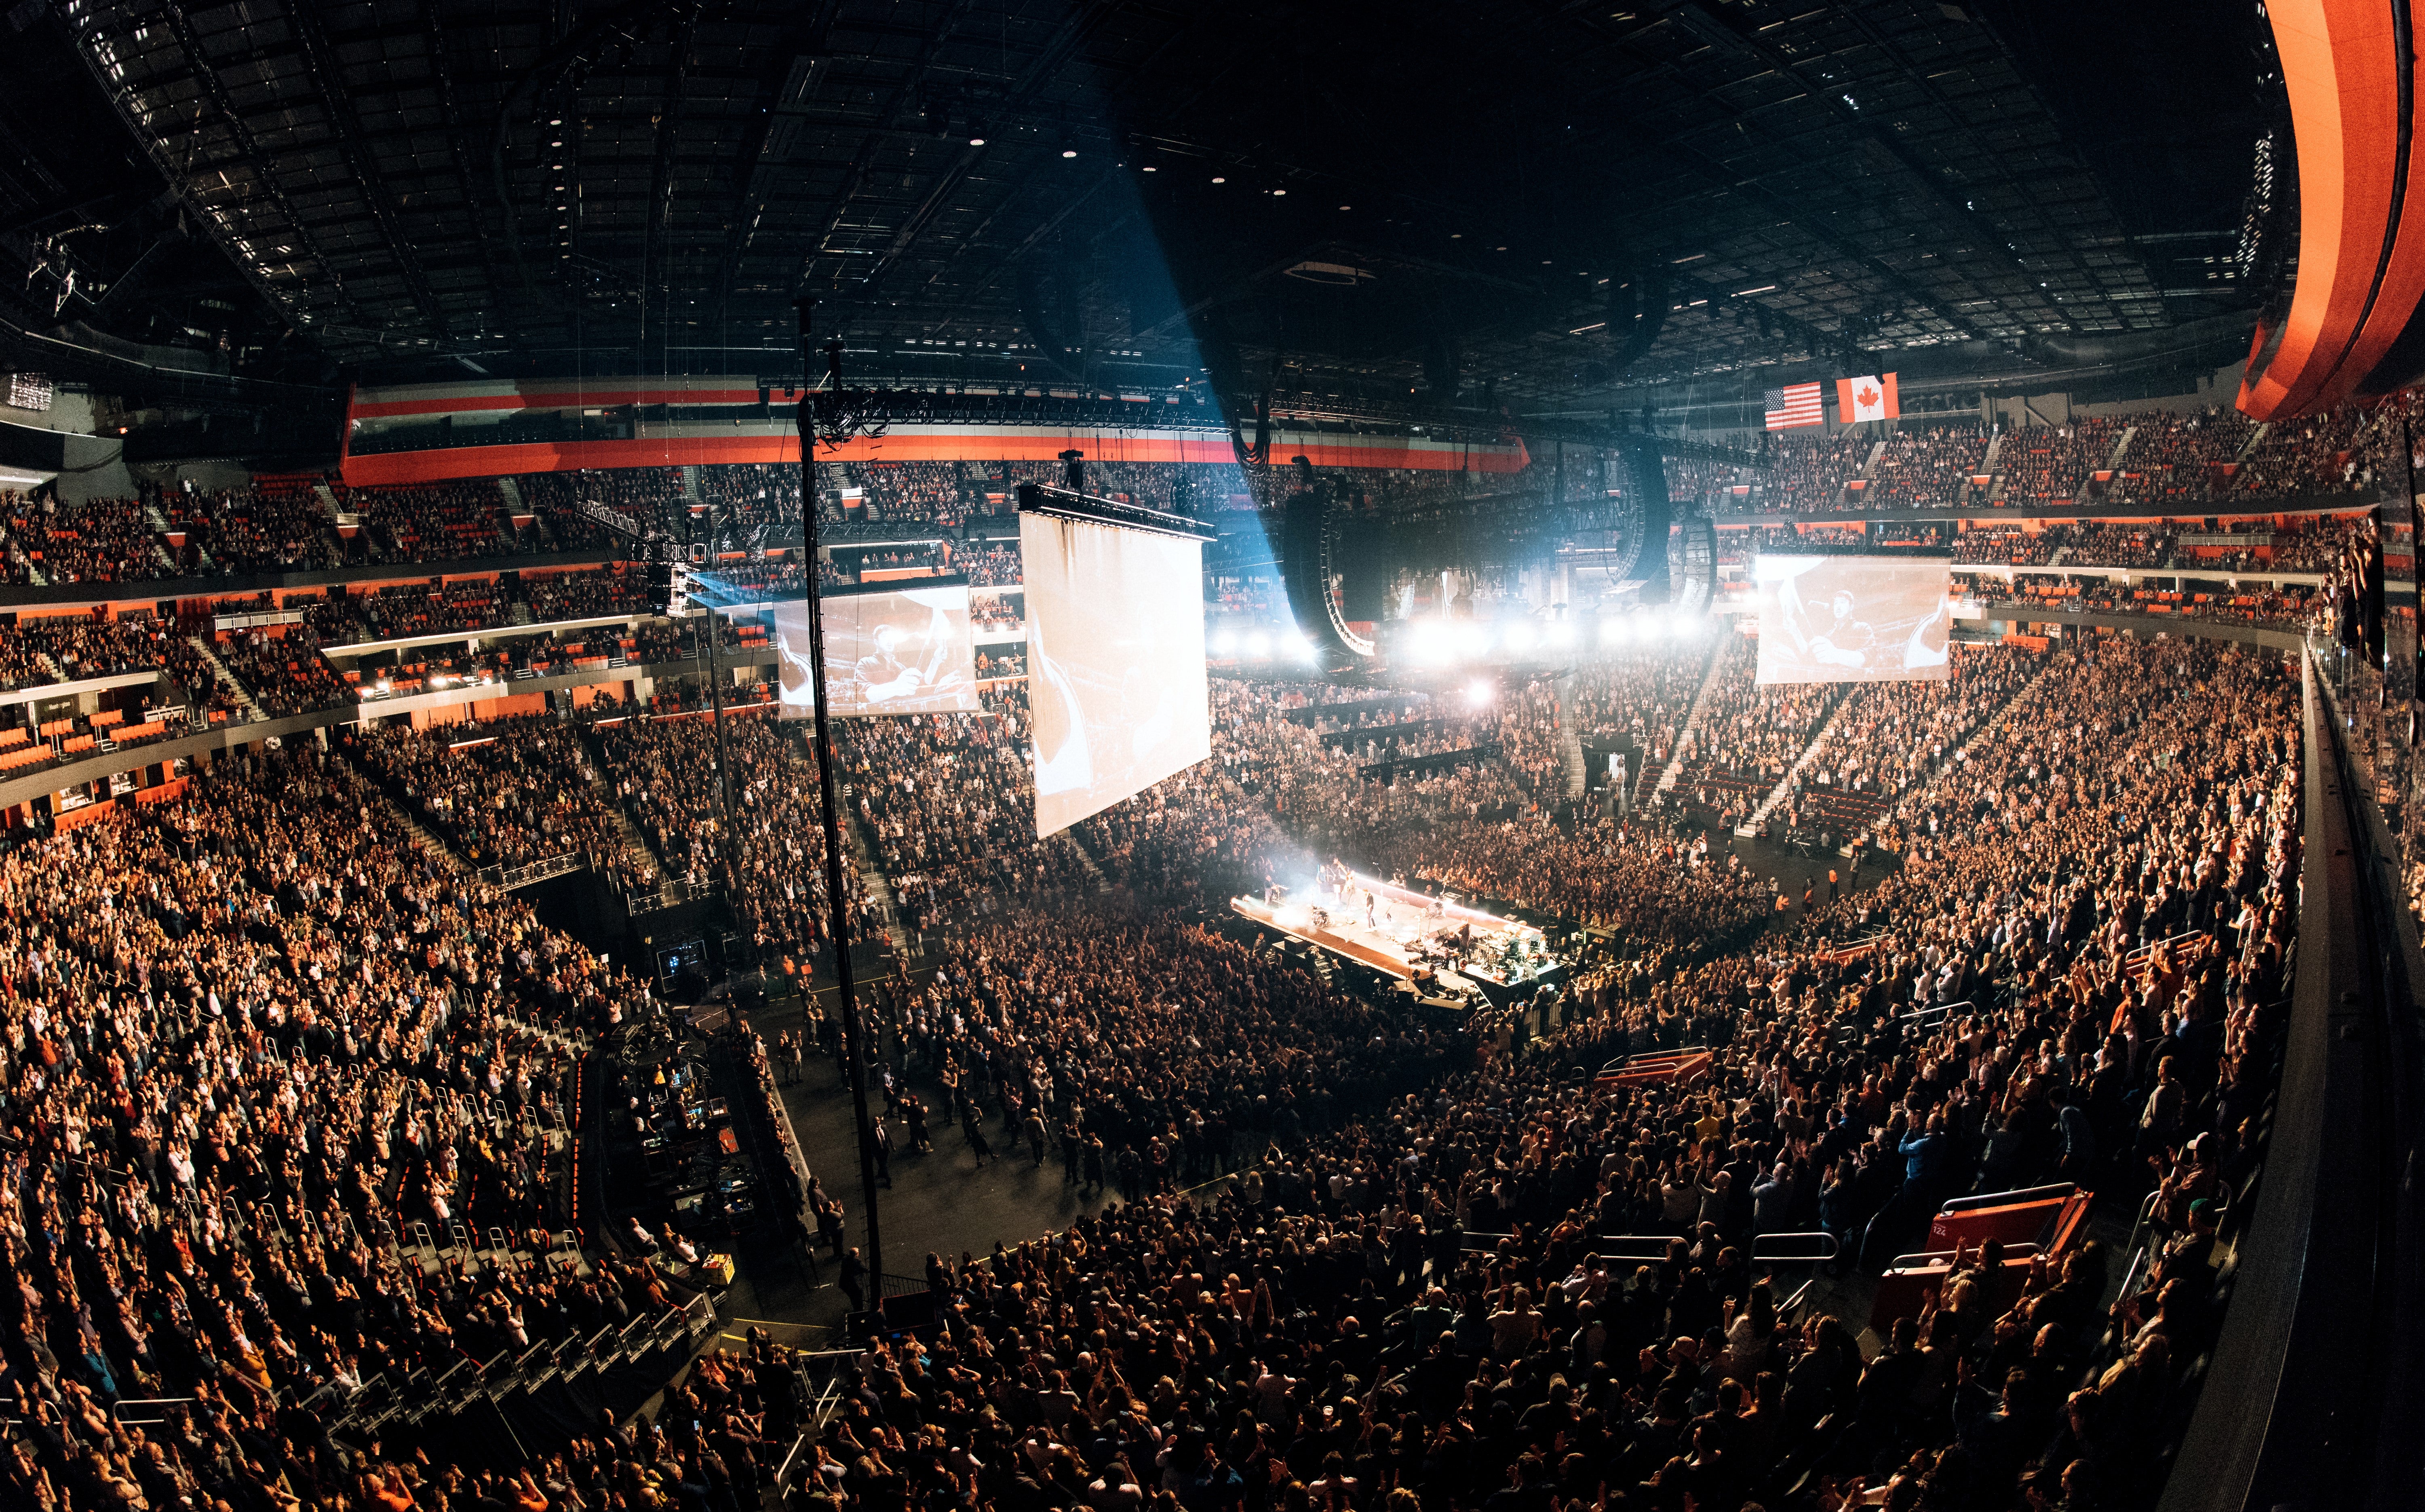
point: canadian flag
(1866, 399)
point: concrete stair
(1676, 758)
(1087, 860)
(2012, 708)
(1784, 787)
(226, 675)
(871, 877)
(1570, 744)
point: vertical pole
(723, 753)
(838, 901)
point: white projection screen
(1853, 619)
(1115, 660)
(892, 650)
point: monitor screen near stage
(1116, 662)
(892, 650)
(1853, 619)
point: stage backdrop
(1853, 619)
(888, 650)
(1115, 661)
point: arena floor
(940, 1201)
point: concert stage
(1408, 935)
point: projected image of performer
(1841, 640)
(906, 661)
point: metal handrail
(2021, 1249)
(2131, 959)
(1659, 1243)
(1834, 1244)
(2018, 1194)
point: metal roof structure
(1538, 201)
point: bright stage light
(1471, 640)
(1480, 693)
(1561, 633)
(1429, 641)
(1297, 646)
(1615, 631)
(1259, 645)
(1223, 642)
(1519, 639)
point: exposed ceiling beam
(336, 101)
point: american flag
(1796, 404)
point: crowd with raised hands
(1142, 1047)
(950, 801)
(1326, 1332)
(246, 1048)
(665, 773)
(504, 792)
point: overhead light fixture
(1765, 288)
(976, 141)
(1280, 191)
(1068, 151)
(1219, 179)
(1149, 168)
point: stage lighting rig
(839, 416)
(1343, 565)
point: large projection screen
(893, 651)
(1853, 619)
(1115, 661)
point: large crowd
(2076, 974)
(244, 1048)
(505, 793)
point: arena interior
(1042, 756)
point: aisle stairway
(1087, 860)
(2010, 709)
(235, 684)
(871, 875)
(1784, 787)
(1683, 749)
(406, 819)
(1570, 746)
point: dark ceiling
(1538, 203)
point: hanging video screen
(888, 650)
(1853, 619)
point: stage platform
(1408, 935)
